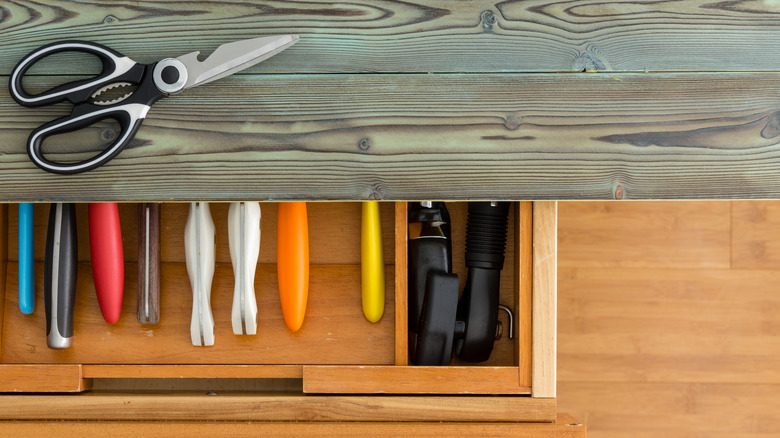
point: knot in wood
(488, 19)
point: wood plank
(645, 234)
(334, 324)
(466, 136)
(755, 235)
(42, 378)
(524, 278)
(668, 325)
(275, 408)
(423, 36)
(564, 427)
(401, 284)
(543, 355)
(192, 371)
(696, 409)
(411, 380)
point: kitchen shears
(152, 81)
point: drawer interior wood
(335, 344)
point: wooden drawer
(338, 366)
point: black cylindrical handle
(486, 234)
(478, 306)
(60, 269)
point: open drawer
(338, 367)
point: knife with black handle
(60, 269)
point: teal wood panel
(411, 137)
(419, 36)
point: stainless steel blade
(232, 57)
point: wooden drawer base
(564, 427)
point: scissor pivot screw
(170, 75)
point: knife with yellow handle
(372, 263)
(199, 251)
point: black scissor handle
(129, 115)
(116, 67)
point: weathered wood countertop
(429, 99)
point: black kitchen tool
(59, 283)
(439, 320)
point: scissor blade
(233, 57)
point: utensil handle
(108, 262)
(149, 263)
(115, 67)
(60, 268)
(372, 262)
(244, 240)
(199, 250)
(129, 116)
(26, 259)
(292, 258)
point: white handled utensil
(199, 249)
(244, 240)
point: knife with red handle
(108, 264)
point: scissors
(152, 81)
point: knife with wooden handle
(26, 259)
(60, 267)
(372, 263)
(292, 261)
(199, 250)
(108, 262)
(149, 263)
(244, 241)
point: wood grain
(564, 427)
(524, 279)
(669, 325)
(255, 407)
(652, 341)
(645, 234)
(674, 409)
(42, 378)
(411, 380)
(98, 371)
(334, 324)
(465, 136)
(755, 235)
(423, 36)
(401, 284)
(544, 325)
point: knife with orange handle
(372, 263)
(292, 261)
(108, 263)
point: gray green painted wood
(401, 137)
(429, 99)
